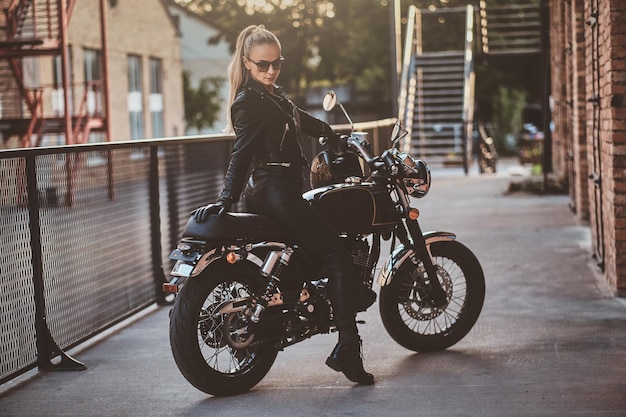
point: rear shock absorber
(272, 267)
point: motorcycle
(245, 290)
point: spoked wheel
(409, 317)
(217, 353)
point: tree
(297, 24)
(325, 42)
(202, 104)
(341, 42)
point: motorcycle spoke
(210, 333)
(227, 360)
(415, 310)
(212, 336)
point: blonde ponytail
(248, 38)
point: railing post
(155, 226)
(468, 90)
(172, 172)
(47, 348)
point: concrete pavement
(551, 340)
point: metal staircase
(34, 102)
(30, 29)
(31, 22)
(436, 101)
(438, 122)
(511, 29)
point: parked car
(530, 144)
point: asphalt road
(551, 340)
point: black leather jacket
(268, 127)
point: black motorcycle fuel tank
(355, 208)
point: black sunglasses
(264, 66)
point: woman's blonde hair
(248, 38)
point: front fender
(402, 253)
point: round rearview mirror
(398, 132)
(395, 131)
(330, 101)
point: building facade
(141, 69)
(145, 67)
(588, 74)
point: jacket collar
(252, 84)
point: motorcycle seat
(237, 227)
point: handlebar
(356, 140)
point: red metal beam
(70, 9)
(10, 49)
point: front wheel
(218, 354)
(412, 321)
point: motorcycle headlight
(416, 178)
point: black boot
(346, 357)
(362, 297)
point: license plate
(182, 269)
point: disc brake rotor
(416, 306)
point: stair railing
(15, 14)
(468, 89)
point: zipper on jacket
(282, 140)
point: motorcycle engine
(361, 259)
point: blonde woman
(268, 128)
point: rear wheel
(412, 321)
(218, 354)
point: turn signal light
(414, 213)
(170, 288)
(232, 257)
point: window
(57, 88)
(135, 97)
(57, 99)
(93, 65)
(93, 84)
(156, 97)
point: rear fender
(215, 254)
(190, 266)
(404, 253)
(247, 253)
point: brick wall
(614, 128)
(568, 68)
(556, 48)
(562, 60)
(580, 161)
(612, 135)
(588, 57)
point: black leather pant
(278, 195)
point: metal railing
(85, 231)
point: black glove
(331, 138)
(202, 214)
(333, 141)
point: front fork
(434, 290)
